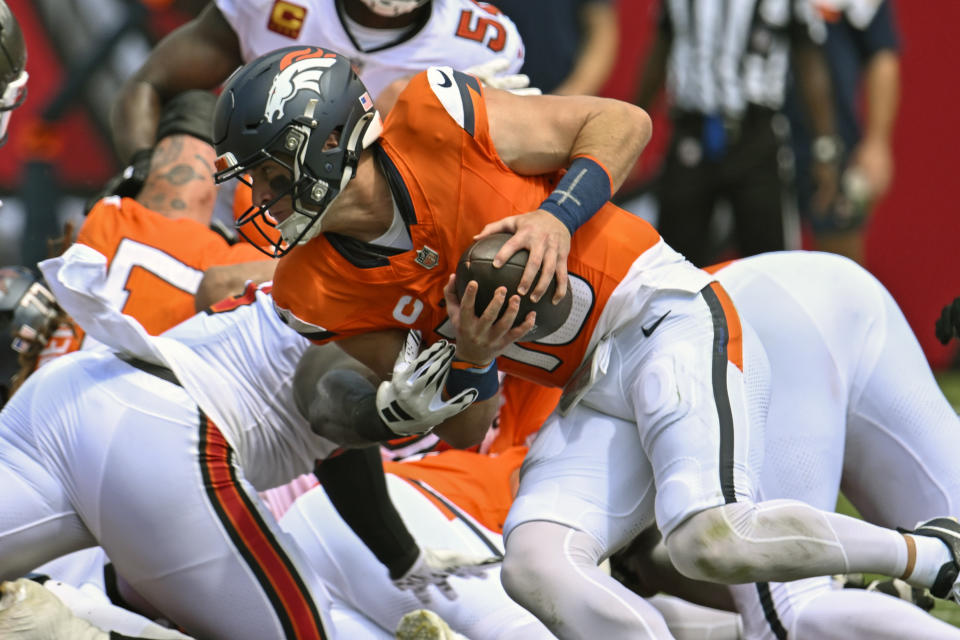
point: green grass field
(950, 383)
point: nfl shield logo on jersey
(427, 257)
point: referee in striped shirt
(725, 65)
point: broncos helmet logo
(298, 70)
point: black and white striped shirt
(726, 54)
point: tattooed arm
(180, 183)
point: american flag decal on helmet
(365, 101)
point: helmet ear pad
(307, 106)
(338, 155)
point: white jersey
(257, 355)
(458, 33)
(237, 365)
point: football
(477, 264)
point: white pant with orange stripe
(94, 451)
(674, 427)
(691, 458)
(853, 403)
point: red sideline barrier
(913, 245)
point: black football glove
(948, 325)
(127, 183)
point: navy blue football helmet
(306, 109)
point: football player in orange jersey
(667, 387)
(159, 244)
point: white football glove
(436, 566)
(492, 74)
(412, 400)
(27, 610)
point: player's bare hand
(874, 159)
(826, 177)
(482, 338)
(494, 74)
(548, 241)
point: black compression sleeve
(365, 415)
(356, 486)
(342, 407)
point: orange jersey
(66, 338)
(483, 486)
(155, 262)
(524, 407)
(448, 182)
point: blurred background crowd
(831, 130)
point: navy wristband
(581, 192)
(465, 375)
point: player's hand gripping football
(948, 324)
(492, 74)
(482, 338)
(412, 401)
(548, 241)
(435, 567)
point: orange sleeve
(451, 117)
(526, 406)
(102, 227)
(237, 253)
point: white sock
(931, 555)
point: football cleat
(849, 581)
(947, 530)
(423, 624)
(900, 589)
(28, 611)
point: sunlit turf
(950, 383)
